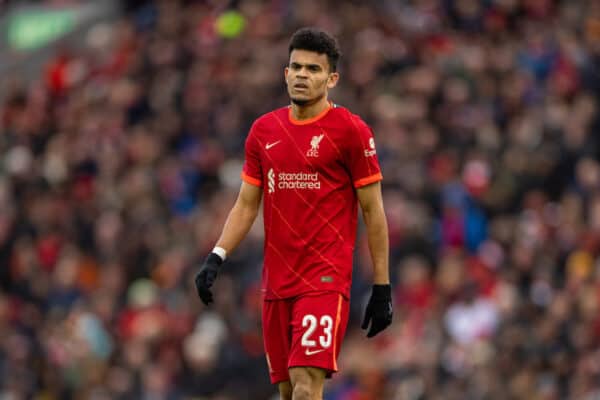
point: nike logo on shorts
(311, 352)
(269, 145)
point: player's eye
(314, 68)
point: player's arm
(371, 203)
(379, 309)
(238, 223)
(241, 217)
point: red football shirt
(308, 171)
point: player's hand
(206, 277)
(379, 310)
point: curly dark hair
(319, 41)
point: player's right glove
(379, 310)
(206, 277)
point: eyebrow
(297, 64)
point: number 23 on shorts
(310, 338)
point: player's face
(308, 77)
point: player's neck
(309, 111)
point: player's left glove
(379, 310)
(206, 277)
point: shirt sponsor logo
(314, 146)
(298, 180)
(371, 150)
(271, 180)
(292, 180)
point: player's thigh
(310, 378)
(276, 320)
(285, 390)
(318, 326)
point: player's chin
(301, 94)
(301, 100)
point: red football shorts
(304, 331)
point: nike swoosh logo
(310, 353)
(269, 145)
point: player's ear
(285, 73)
(332, 80)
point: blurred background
(122, 126)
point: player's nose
(302, 73)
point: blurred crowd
(119, 163)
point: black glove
(206, 277)
(379, 310)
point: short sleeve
(362, 155)
(251, 171)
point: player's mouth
(301, 86)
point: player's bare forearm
(241, 217)
(377, 234)
(371, 204)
